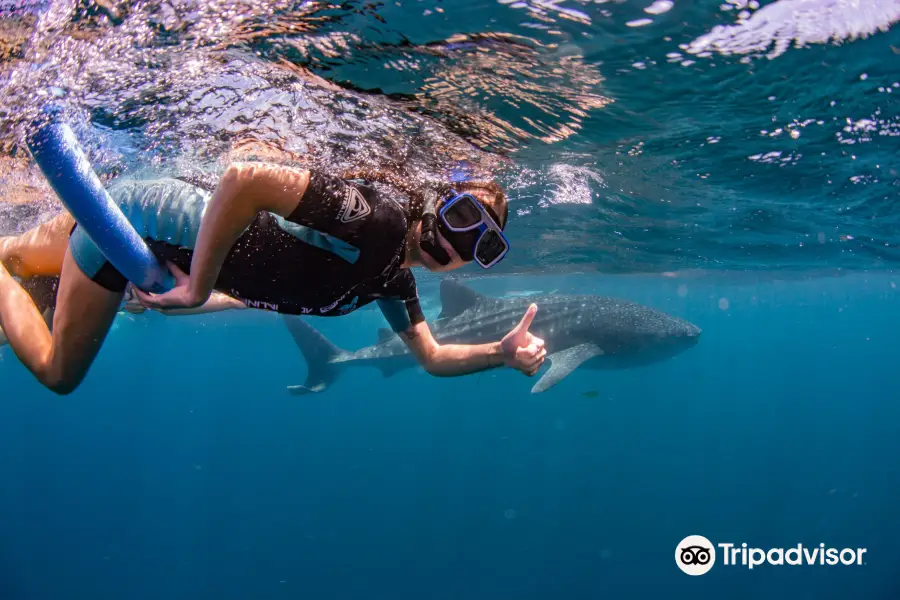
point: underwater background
(182, 468)
(733, 164)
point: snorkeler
(277, 238)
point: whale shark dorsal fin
(385, 335)
(456, 298)
(563, 363)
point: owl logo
(695, 555)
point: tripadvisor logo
(696, 555)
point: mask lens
(490, 247)
(464, 213)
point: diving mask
(468, 226)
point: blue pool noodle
(56, 150)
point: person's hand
(521, 349)
(132, 304)
(180, 296)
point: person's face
(431, 264)
(455, 260)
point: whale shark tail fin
(320, 355)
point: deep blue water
(751, 190)
(182, 469)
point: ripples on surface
(642, 136)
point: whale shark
(578, 330)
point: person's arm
(518, 349)
(244, 191)
(217, 302)
(450, 360)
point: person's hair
(416, 193)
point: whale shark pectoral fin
(562, 364)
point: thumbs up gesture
(521, 350)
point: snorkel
(428, 239)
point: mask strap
(461, 172)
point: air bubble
(659, 7)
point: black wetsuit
(339, 250)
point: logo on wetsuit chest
(355, 206)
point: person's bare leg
(84, 313)
(47, 315)
(40, 250)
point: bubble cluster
(769, 31)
